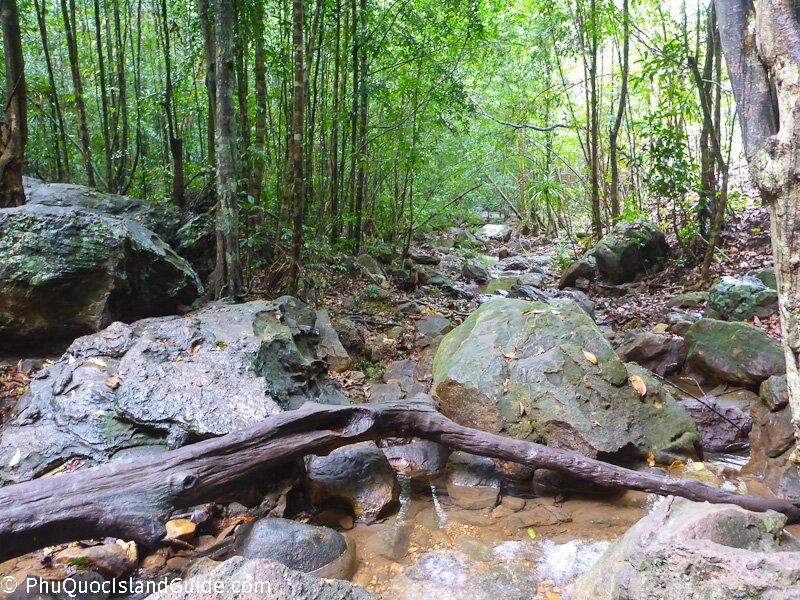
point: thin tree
(623, 98)
(14, 128)
(226, 280)
(298, 113)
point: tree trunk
(770, 119)
(175, 142)
(361, 190)
(594, 116)
(298, 114)
(256, 178)
(207, 30)
(226, 280)
(101, 67)
(334, 165)
(133, 499)
(623, 98)
(14, 129)
(77, 84)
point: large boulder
(473, 270)
(164, 382)
(663, 354)
(196, 242)
(734, 352)
(68, 271)
(494, 233)
(631, 249)
(686, 551)
(583, 268)
(741, 299)
(240, 578)
(543, 372)
(159, 217)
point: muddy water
(432, 547)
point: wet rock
(688, 300)
(371, 268)
(463, 237)
(418, 458)
(68, 271)
(513, 263)
(585, 267)
(774, 393)
(425, 259)
(494, 233)
(662, 354)
(195, 241)
(581, 299)
(767, 277)
(329, 346)
(692, 550)
(410, 308)
(631, 249)
(351, 337)
(733, 351)
(269, 579)
(434, 326)
(741, 299)
(320, 551)
(473, 270)
(722, 428)
(164, 382)
(473, 482)
(359, 476)
(532, 279)
(404, 374)
(772, 441)
(109, 560)
(402, 279)
(379, 393)
(521, 368)
(527, 292)
(159, 217)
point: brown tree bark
(101, 67)
(14, 129)
(175, 141)
(68, 13)
(623, 98)
(298, 114)
(762, 49)
(207, 29)
(226, 280)
(133, 499)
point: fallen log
(133, 499)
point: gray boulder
(583, 268)
(473, 482)
(631, 249)
(473, 270)
(741, 299)
(722, 428)
(68, 271)
(767, 277)
(494, 233)
(164, 382)
(246, 579)
(692, 551)
(196, 242)
(662, 354)
(733, 351)
(371, 268)
(159, 217)
(526, 370)
(320, 551)
(359, 476)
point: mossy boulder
(543, 372)
(161, 218)
(697, 550)
(733, 351)
(631, 249)
(68, 271)
(164, 382)
(741, 299)
(196, 242)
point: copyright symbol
(8, 584)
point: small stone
(176, 563)
(154, 562)
(180, 529)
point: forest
(395, 299)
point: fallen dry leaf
(639, 385)
(112, 381)
(590, 357)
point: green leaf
(531, 533)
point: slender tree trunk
(623, 98)
(14, 128)
(256, 180)
(594, 151)
(63, 173)
(101, 67)
(122, 102)
(298, 113)
(242, 35)
(207, 30)
(334, 165)
(68, 13)
(226, 280)
(175, 142)
(362, 129)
